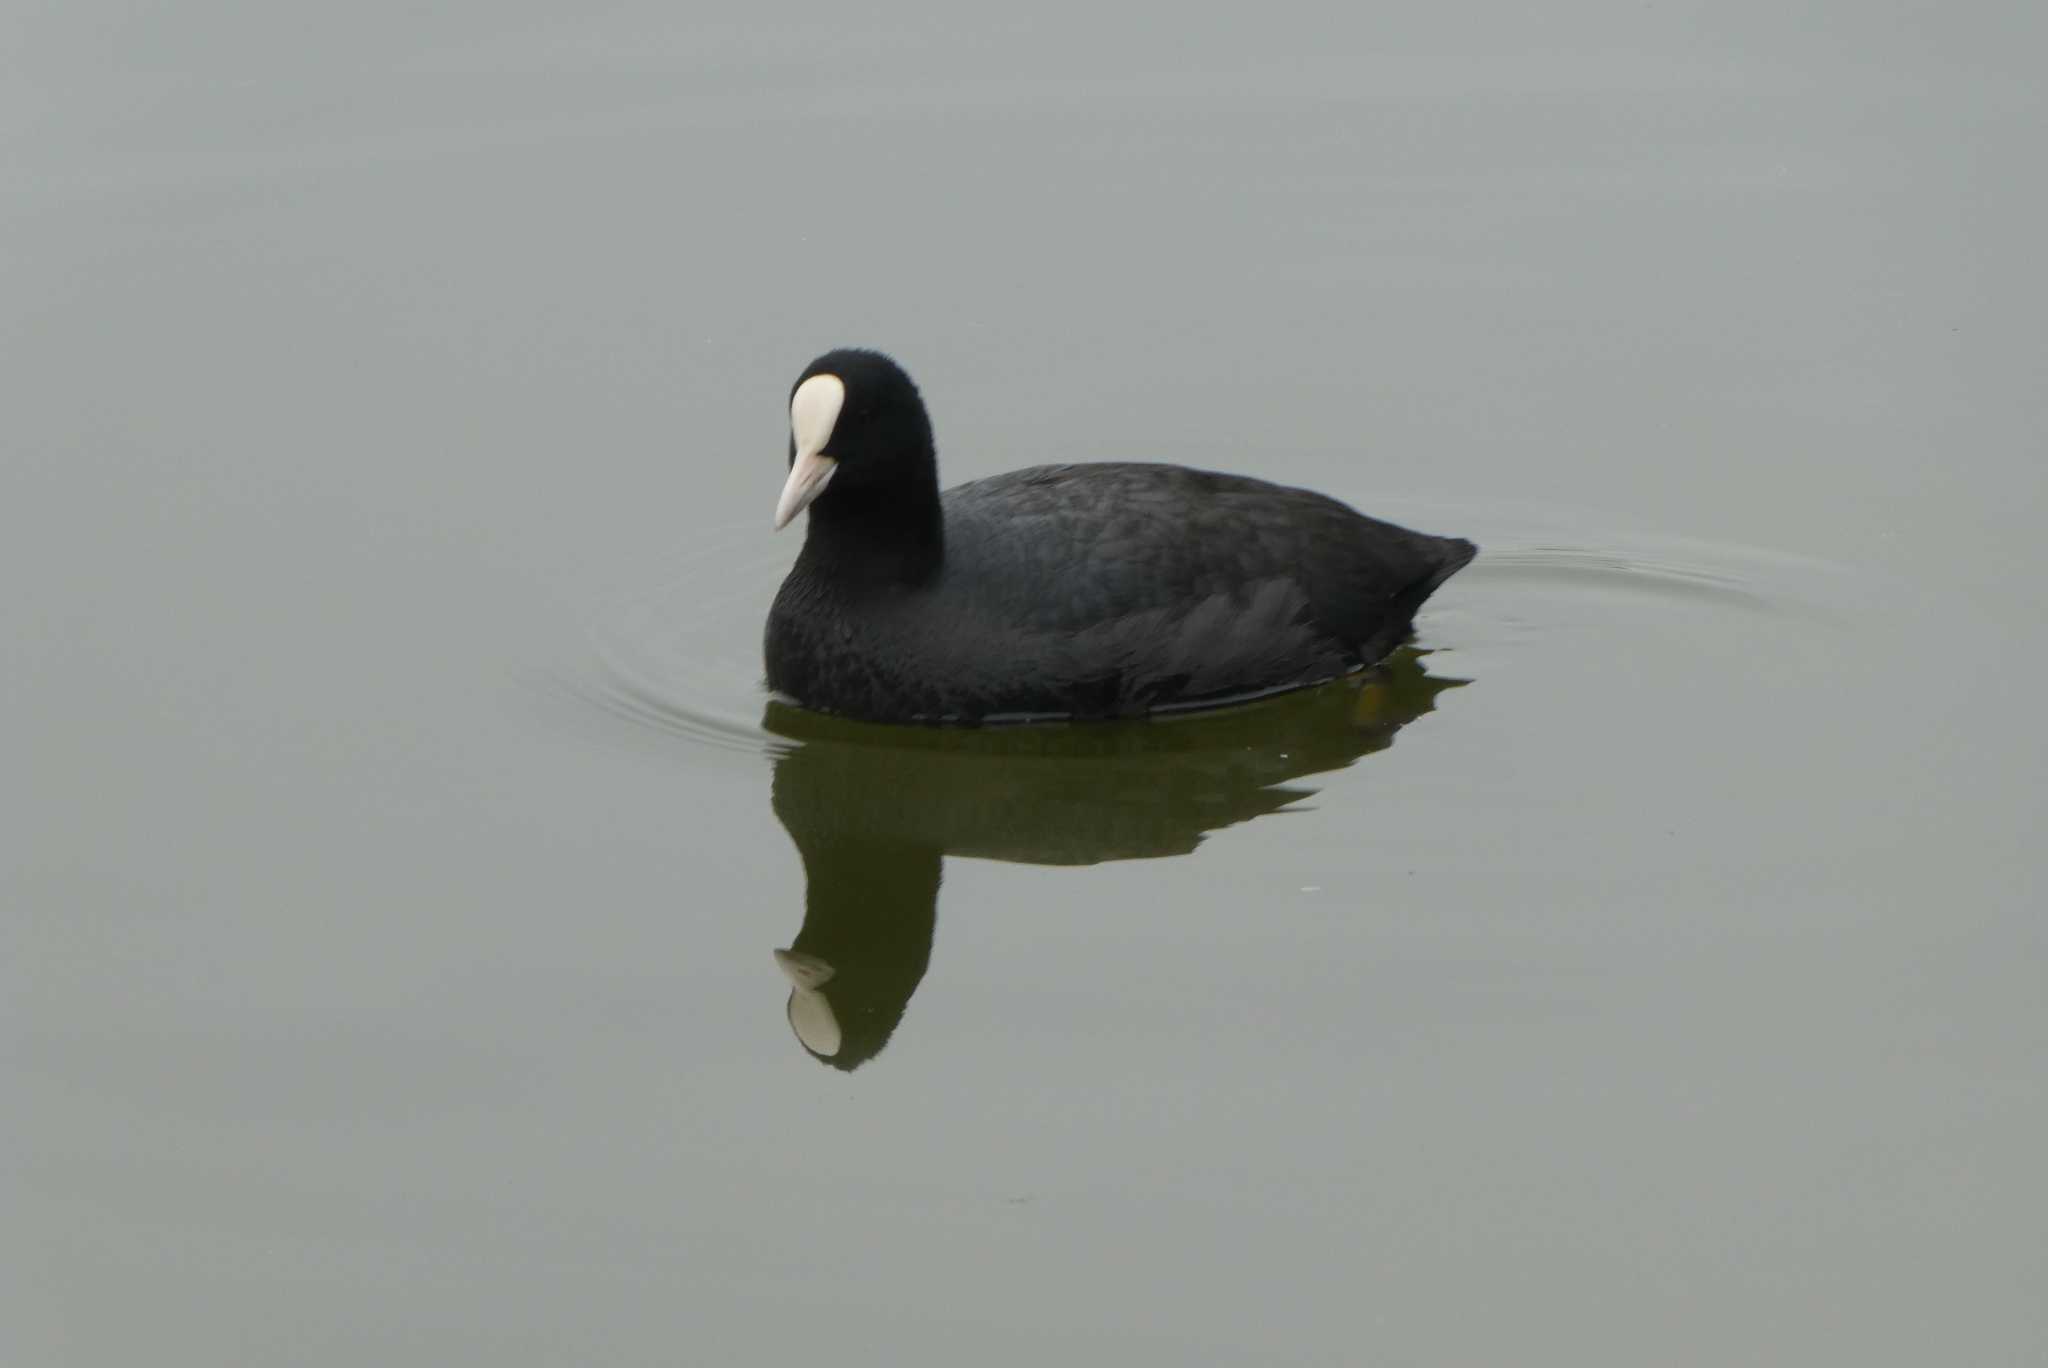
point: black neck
(894, 534)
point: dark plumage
(1063, 590)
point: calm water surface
(422, 942)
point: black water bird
(1061, 591)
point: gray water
(1645, 968)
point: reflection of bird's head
(810, 1011)
(844, 1009)
(869, 906)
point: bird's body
(1067, 590)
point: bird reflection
(874, 810)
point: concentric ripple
(682, 652)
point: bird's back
(1067, 547)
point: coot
(1077, 591)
